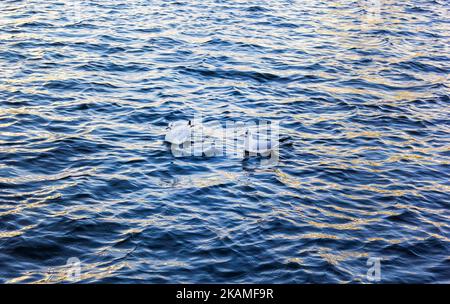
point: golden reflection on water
(14, 233)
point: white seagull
(255, 143)
(179, 132)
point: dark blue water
(86, 93)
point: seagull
(254, 143)
(179, 132)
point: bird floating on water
(179, 132)
(256, 143)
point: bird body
(179, 132)
(255, 143)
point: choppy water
(86, 92)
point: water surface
(86, 93)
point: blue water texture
(361, 93)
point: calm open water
(87, 90)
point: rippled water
(87, 90)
